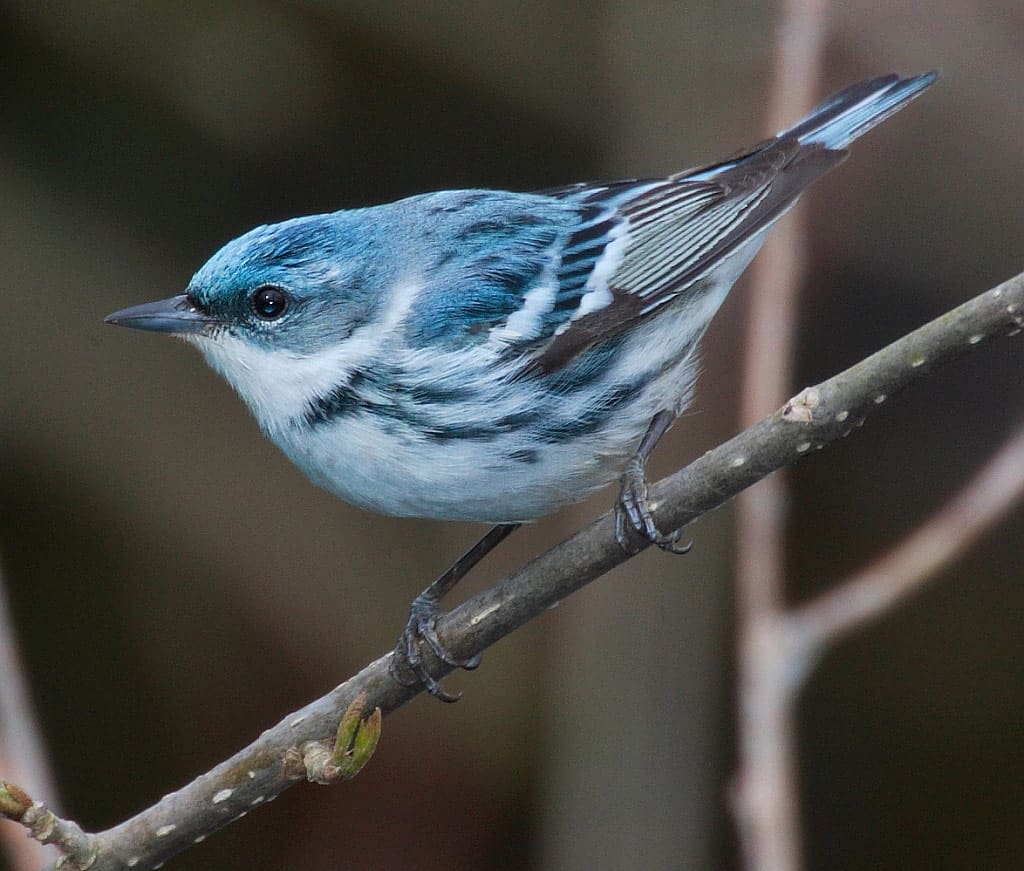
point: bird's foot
(632, 510)
(408, 655)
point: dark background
(178, 586)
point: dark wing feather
(680, 229)
(547, 275)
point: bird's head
(296, 286)
(272, 310)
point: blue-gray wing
(486, 257)
(662, 238)
(545, 276)
(548, 275)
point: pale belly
(488, 482)
(555, 455)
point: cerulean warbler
(491, 356)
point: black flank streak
(460, 432)
(593, 419)
(437, 394)
(342, 401)
(484, 431)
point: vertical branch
(765, 793)
(22, 751)
(774, 281)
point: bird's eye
(269, 302)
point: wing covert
(675, 231)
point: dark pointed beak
(174, 315)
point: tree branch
(21, 741)
(78, 848)
(948, 533)
(772, 310)
(814, 418)
(765, 800)
(780, 646)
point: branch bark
(817, 416)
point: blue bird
(492, 356)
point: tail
(856, 109)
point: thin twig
(78, 849)
(938, 542)
(21, 743)
(772, 309)
(22, 853)
(816, 417)
(784, 647)
(765, 791)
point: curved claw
(670, 543)
(422, 627)
(632, 507)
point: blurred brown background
(178, 586)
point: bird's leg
(423, 618)
(632, 505)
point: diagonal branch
(816, 417)
(940, 539)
